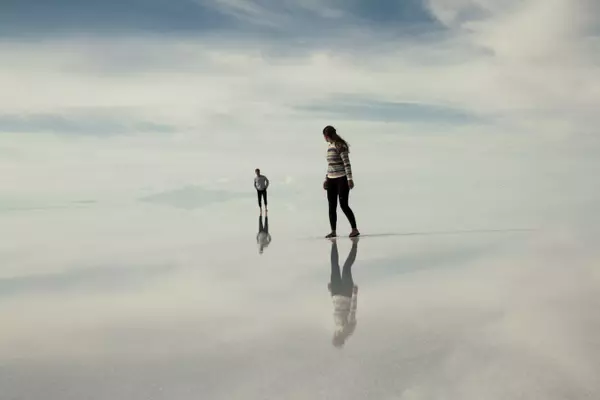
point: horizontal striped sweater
(344, 313)
(338, 162)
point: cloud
(444, 80)
(541, 33)
(490, 320)
(191, 197)
(488, 64)
(252, 12)
(542, 55)
(80, 123)
(349, 108)
(93, 278)
(60, 18)
(303, 16)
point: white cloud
(538, 63)
(249, 10)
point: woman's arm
(347, 166)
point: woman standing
(338, 180)
(344, 294)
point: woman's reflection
(263, 237)
(344, 294)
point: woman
(338, 180)
(344, 294)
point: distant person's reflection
(263, 237)
(343, 294)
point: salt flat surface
(135, 274)
(150, 301)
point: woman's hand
(350, 183)
(325, 184)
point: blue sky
(65, 17)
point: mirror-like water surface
(117, 308)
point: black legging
(262, 194)
(263, 228)
(338, 187)
(342, 284)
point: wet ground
(152, 302)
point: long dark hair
(330, 132)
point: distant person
(344, 294)
(261, 183)
(263, 237)
(338, 180)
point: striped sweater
(344, 314)
(338, 162)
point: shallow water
(146, 301)
(135, 274)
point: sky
(145, 98)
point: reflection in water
(344, 294)
(263, 237)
